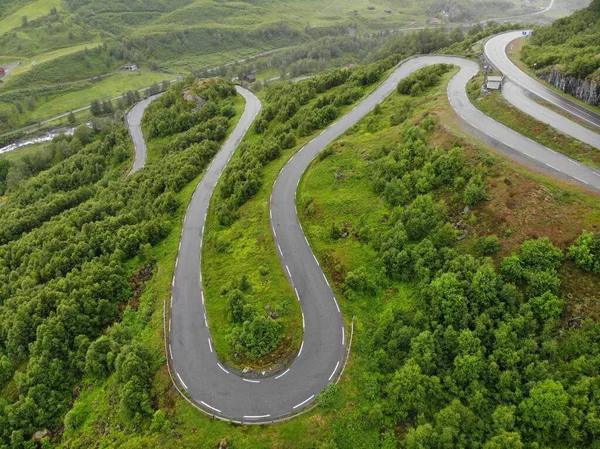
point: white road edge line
(251, 381)
(256, 416)
(283, 374)
(336, 304)
(180, 380)
(334, 370)
(212, 408)
(301, 346)
(220, 366)
(303, 402)
(343, 336)
(210, 345)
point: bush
(255, 339)
(547, 306)
(541, 282)
(487, 246)
(474, 191)
(359, 281)
(512, 268)
(541, 254)
(330, 396)
(586, 252)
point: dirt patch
(520, 208)
(137, 283)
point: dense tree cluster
(292, 109)
(419, 81)
(253, 335)
(571, 43)
(173, 113)
(67, 235)
(485, 361)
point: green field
(33, 10)
(175, 37)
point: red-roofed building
(2, 72)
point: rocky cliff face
(584, 90)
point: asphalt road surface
(134, 123)
(215, 388)
(522, 99)
(495, 51)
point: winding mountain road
(195, 368)
(134, 123)
(520, 89)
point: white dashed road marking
(334, 370)
(210, 407)
(303, 402)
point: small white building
(494, 82)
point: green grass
(345, 201)
(494, 105)
(32, 11)
(30, 150)
(49, 56)
(109, 87)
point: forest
(461, 339)
(487, 362)
(571, 44)
(69, 236)
(470, 344)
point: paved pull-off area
(194, 366)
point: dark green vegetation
(292, 113)
(72, 236)
(570, 44)
(454, 349)
(586, 252)
(15, 169)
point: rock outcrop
(584, 90)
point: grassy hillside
(58, 43)
(570, 44)
(374, 405)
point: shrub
(474, 191)
(255, 339)
(541, 254)
(359, 281)
(487, 246)
(586, 252)
(547, 306)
